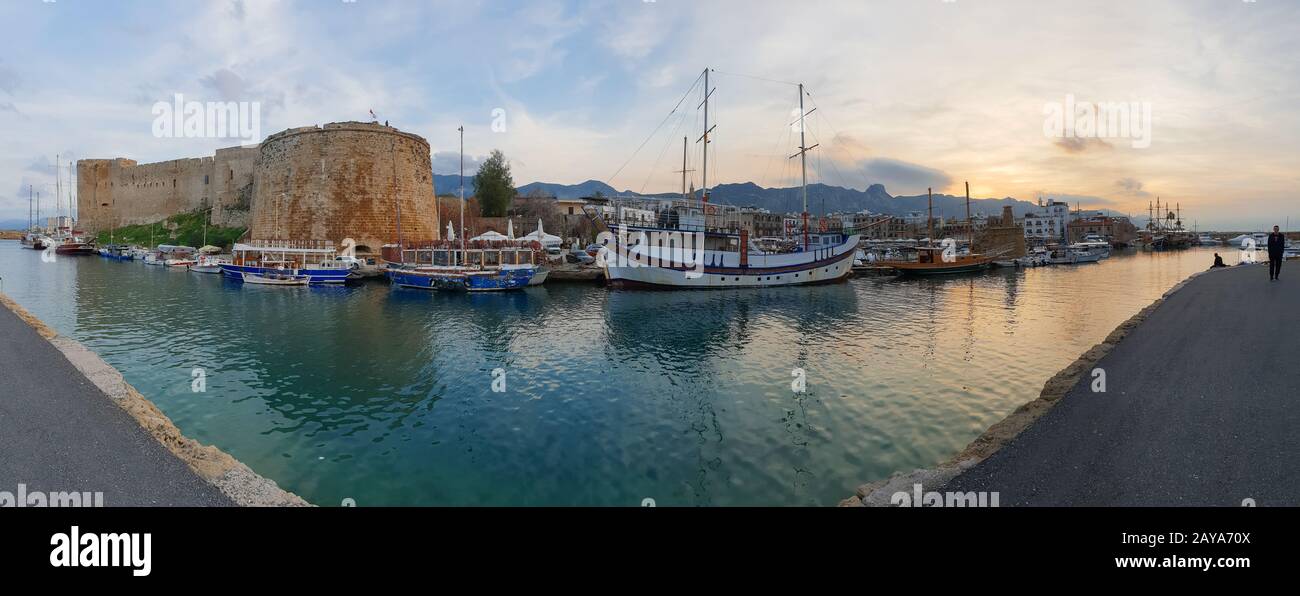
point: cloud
(1079, 145)
(1131, 186)
(228, 85)
(902, 177)
(9, 80)
(448, 162)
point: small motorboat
(208, 264)
(276, 279)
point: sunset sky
(910, 93)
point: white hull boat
(274, 279)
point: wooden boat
(276, 279)
(499, 266)
(938, 260)
(930, 260)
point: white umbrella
(539, 227)
(490, 235)
(451, 233)
(510, 229)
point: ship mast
(704, 190)
(929, 220)
(462, 129)
(58, 189)
(803, 163)
(683, 171)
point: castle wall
(341, 180)
(344, 180)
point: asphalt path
(1201, 408)
(61, 433)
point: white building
(1047, 222)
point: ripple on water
(386, 396)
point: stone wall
(342, 180)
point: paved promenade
(1202, 407)
(59, 432)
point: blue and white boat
(315, 259)
(117, 252)
(470, 270)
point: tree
(493, 185)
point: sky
(911, 94)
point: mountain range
(822, 198)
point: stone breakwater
(231, 477)
(880, 493)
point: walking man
(1276, 245)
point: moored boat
(272, 278)
(447, 267)
(208, 264)
(317, 259)
(117, 252)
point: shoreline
(228, 475)
(879, 493)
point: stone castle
(340, 180)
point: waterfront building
(1047, 222)
(1117, 230)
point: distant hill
(13, 224)
(821, 197)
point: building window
(205, 179)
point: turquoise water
(385, 396)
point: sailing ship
(942, 260)
(1164, 230)
(688, 243)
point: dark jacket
(1276, 243)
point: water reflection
(385, 395)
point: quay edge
(880, 492)
(231, 477)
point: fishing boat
(688, 243)
(944, 259)
(273, 278)
(316, 259)
(117, 252)
(478, 269)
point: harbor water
(578, 395)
